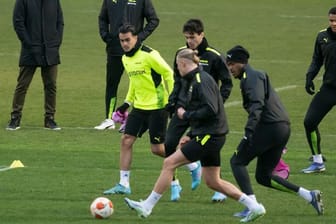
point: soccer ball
(101, 208)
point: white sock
(305, 194)
(249, 202)
(253, 197)
(124, 178)
(192, 166)
(318, 158)
(151, 200)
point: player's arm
(151, 18)
(160, 66)
(104, 24)
(224, 77)
(317, 59)
(19, 22)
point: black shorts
(205, 148)
(139, 121)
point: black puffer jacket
(39, 26)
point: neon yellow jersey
(150, 79)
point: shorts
(155, 121)
(205, 148)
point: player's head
(186, 60)
(332, 19)
(236, 59)
(128, 37)
(193, 31)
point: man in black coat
(39, 26)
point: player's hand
(246, 141)
(180, 112)
(242, 145)
(310, 87)
(123, 108)
(184, 140)
(170, 108)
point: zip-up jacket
(148, 76)
(115, 13)
(261, 102)
(39, 26)
(213, 63)
(203, 104)
(324, 52)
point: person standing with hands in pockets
(39, 26)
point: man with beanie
(324, 100)
(267, 131)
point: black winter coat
(39, 26)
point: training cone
(16, 164)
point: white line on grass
(239, 102)
(300, 16)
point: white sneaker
(138, 207)
(253, 215)
(106, 124)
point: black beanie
(238, 54)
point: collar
(192, 74)
(202, 46)
(331, 33)
(134, 50)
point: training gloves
(246, 141)
(123, 108)
(310, 87)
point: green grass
(66, 170)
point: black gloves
(170, 108)
(123, 108)
(310, 87)
(246, 141)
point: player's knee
(158, 149)
(234, 161)
(262, 179)
(309, 124)
(168, 163)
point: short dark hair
(126, 28)
(193, 26)
(332, 11)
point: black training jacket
(115, 13)
(261, 102)
(39, 26)
(324, 52)
(213, 63)
(203, 104)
